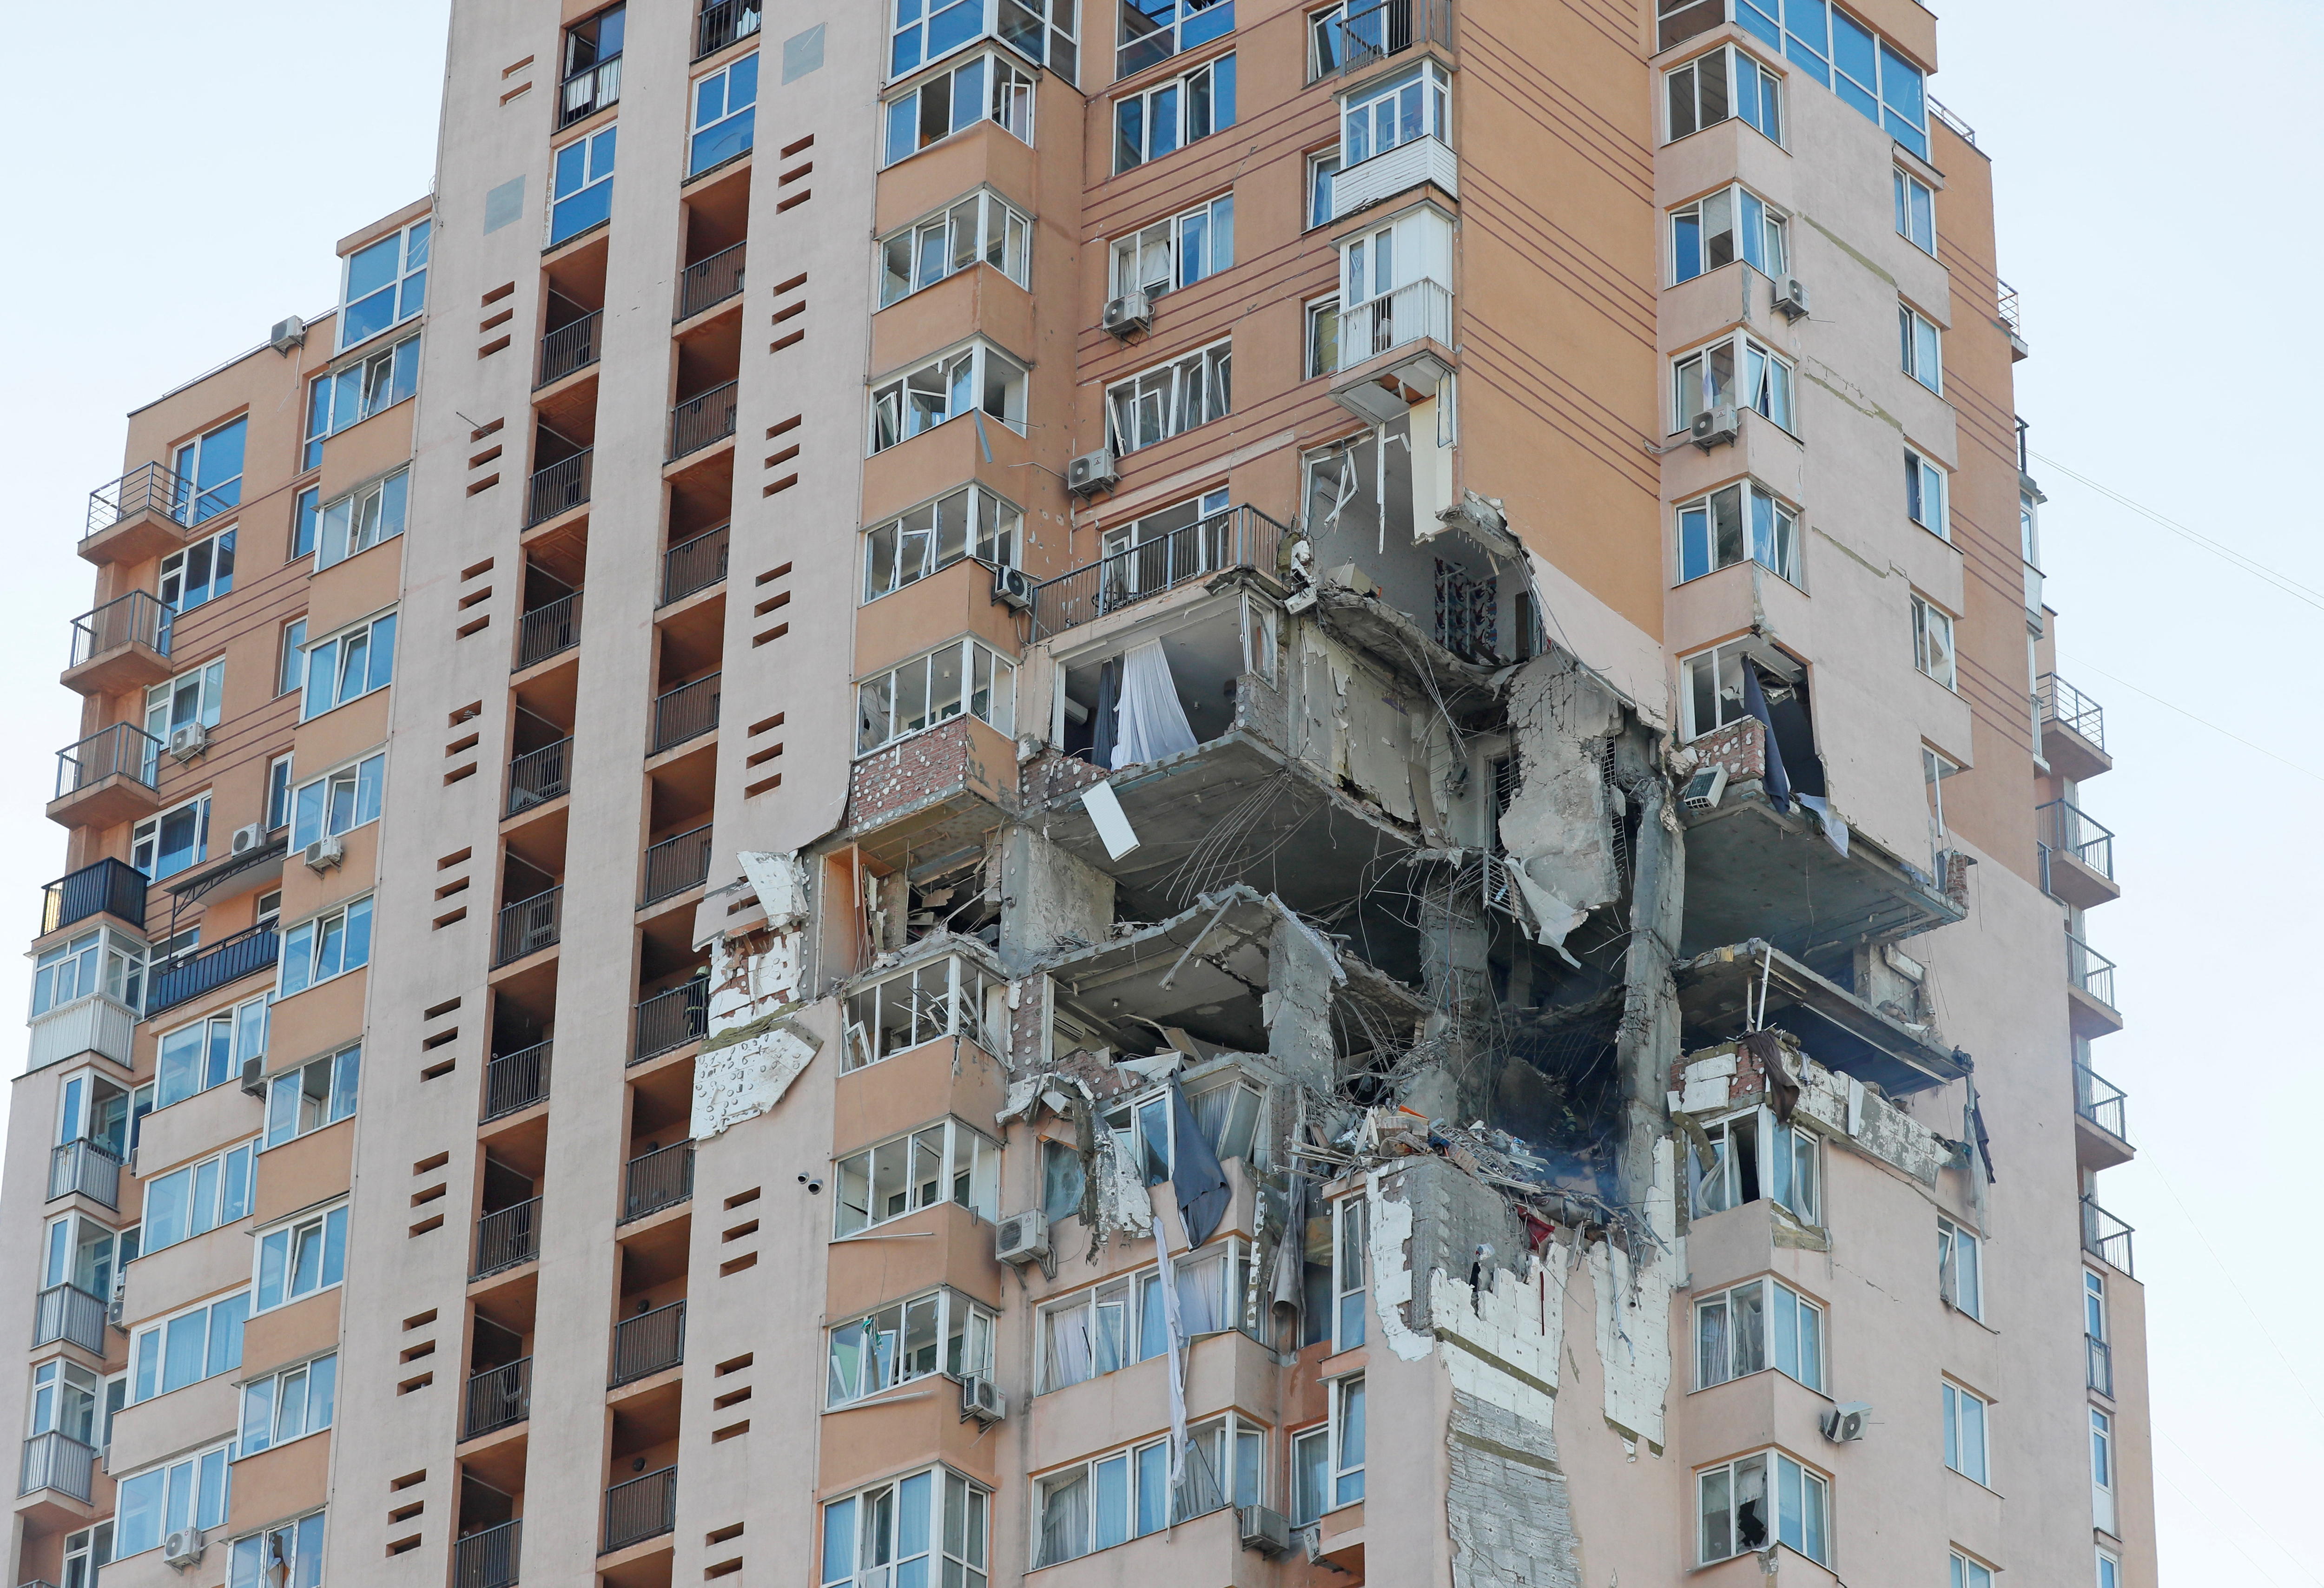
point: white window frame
(1933, 656)
(1969, 1573)
(207, 685)
(1213, 1288)
(1415, 104)
(1323, 169)
(195, 505)
(940, 997)
(63, 1241)
(968, 1172)
(1756, 377)
(1320, 347)
(354, 523)
(1351, 1271)
(1796, 1351)
(730, 115)
(2094, 1307)
(1721, 1187)
(1105, 1316)
(2110, 1570)
(2103, 1496)
(1926, 490)
(1311, 1452)
(1003, 94)
(1763, 522)
(879, 1338)
(882, 1506)
(919, 542)
(310, 940)
(1167, 111)
(1046, 33)
(1813, 1527)
(406, 283)
(1155, 259)
(1183, 388)
(109, 962)
(1920, 347)
(1145, 1125)
(314, 1095)
(1344, 1471)
(1960, 1268)
(219, 1191)
(342, 799)
(283, 1241)
(1968, 1416)
(54, 1381)
(1199, 525)
(599, 157)
(1916, 212)
(265, 1398)
(210, 551)
(344, 398)
(149, 1350)
(962, 381)
(278, 793)
(1730, 210)
(876, 696)
(1225, 1464)
(290, 660)
(981, 228)
(145, 838)
(274, 1558)
(1173, 28)
(241, 1028)
(206, 1481)
(1744, 72)
(378, 634)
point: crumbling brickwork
(1505, 1505)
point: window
(194, 1345)
(300, 1258)
(386, 284)
(1145, 1128)
(1960, 1268)
(1932, 641)
(90, 1108)
(1177, 251)
(1153, 30)
(2094, 1306)
(83, 966)
(941, 1331)
(969, 523)
(2102, 1470)
(291, 669)
(1737, 523)
(1064, 1181)
(64, 1401)
(82, 1253)
(1917, 343)
(210, 473)
(581, 188)
(190, 698)
(362, 519)
(164, 1500)
(165, 844)
(85, 1552)
(1171, 398)
(964, 676)
(937, 998)
(328, 946)
(943, 1162)
(1722, 227)
(1829, 46)
(980, 226)
(888, 1534)
(1916, 212)
(1924, 494)
(200, 1197)
(352, 394)
(1110, 1326)
(2109, 1571)
(1338, 42)
(1705, 378)
(351, 663)
(338, 802)
(592, 74)
(286, 1556)
(1170, 116)
(289, 1404)
(974, 379)
(1727, 82)
(1968, 1574)
(1097, 1504)
(1042, 31)
(1347, 1433)
(725, 110)
(305, 510)
(1732, 1502)
(1964, 1432)
(990, 88)
(316, 1094)
(202, 572)
(1091, 1334)
(1322, 336)
(208, 1053)
(1320, 168)
(1351, 1266)
(1753, 1156)
(1418, 104)
(1310, 1458)
(1733, 1337)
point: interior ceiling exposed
(1753, 873)
(1718, 991)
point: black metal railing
(59, 1462)
(2100, 1359)
(671, 1019)
(658, 1179)
(134, 619)
(514, 1080)
(649, 1343)
(498, 1397)
(702, 420)
(1239, 537)
(153, 488)
(589, 91)
(694, 565)
(559, 489)
(1366, 36)
(488, 1558)
(2106, 1237)
(530, 925)
(722, 23)
(710, 280)
(687, 712)
(640, 1508)
(506, 1238)
(548, 630)
(572, 347)
(675, 864)
(123, 748)
(109, 887)
(89, 1168)
(229, 959)
(2066, 830)
(2101, 1102)
(2069, 708)
(540, 776)
(67, 1312)
(2090, 971)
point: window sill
(342, 706)
(726, 164)
(286, 1444)
(591, 229)
(281, 997)
(348, 348)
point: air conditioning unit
(1092, 472)
(1022, 1237)
(182, 1548)
(286, 334)
(246, 839)
(1791, 297)
(1716, 427)
(981, 1398)
(188, 741)
(324, 854)
(1013, 587)
(1702, 790)
(1266, 1531)
(1846, 1421)
(254, 1074)
(1132, 311)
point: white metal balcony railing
(89, 1168)
(1422, 309)
(1394, 170)
(67, 1312)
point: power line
(2250, 564)
(2079, 663)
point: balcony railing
(134, 619)
(1365, 36)
(153, 488)
(675, 864)
(514, 1080)
(59, 1462)
(530, 925)
(2099, 1356)
(640, 1508)
(2066, 830)
(559, 489)
(540, 776)
(588, 91)
(498, 1397)
(694, 565)
(67, 1312)
(710, 280)
(1402, 315)
(1240, 537)
(2069, 708)
(702, 420)
(89, 1168)
(548, 631)
(488, 1558)
(109, 887)
(722, 23)
(687, 712)
(1967, 132)
(671, 1019)
(229, 959)
(2007, 305)
(2090, 971)
(123, 748)
(2106, 1237)
(649, 1343)
(2101, 1102)
(658, 1179)
(507, 1238)
(572, 347)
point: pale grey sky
(171, 207)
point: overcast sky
(167, 212)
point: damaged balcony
(2076, 856)
(2073, 730)
(2102, 1128)
(1719, 992)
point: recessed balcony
(507, 1237)
(558, 488)
(658, 1179)
(499, 1397)
(649, 1343)
(694, 565)
(547, 630)
(540, 776)
(107, 777)
(669, 1019)
(687, 712)
(702, 420)
(710, 281)
(640, 1508)
(514, 1082)
(722, 23)
(528, 926)
(574, 345)
(488, 1558)
(122, 644)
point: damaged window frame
(976, 1186)
(948, 1514)
(1344, 1471)
(859, 1048)
(1226, 1463)
(1933, 656)
(1766, 531)
(981, 228)
(1143, 1332)
(1240, 1135)
(1351, 1271)
(1801, 1522)
(997, 693)
(1960, 1268)
(1766, 385)
(1064, 1180)
(1190, 391)
(1744, 89)
(1924, 493)
(1192, 245)
(1784, 1187)
(1920, 347)
(1794, 1349)
(958, 1344)
(975, 377)
(1968, 1418)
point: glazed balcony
(107, 777)
(2073, 729)
(1417, 163)
(694, 565)
(499, 1397)
(516, 1081)
(640, 1508)
(2076, 856)
(659, 1180)
(649, 1343)
(1240, 537)
(96, 1022)
(528, 926)
(2101, 1125)
(121, 645)
(85, 1169)
(109, 887)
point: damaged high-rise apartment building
(1002, 791)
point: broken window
(1737, 523)
(1351, 1270)
(943, 1162)
(1932, 641)
(1753, 1158)
(1085, 1336)
(1718, 229)
(954, 678)
(1177, 251)
(937, 998)
(974, 379)
(1960, 1259)
(1918, 346)
(1727, 82)
(1924, 494)
(941, 1331)
(1756, 1326)
(1171, 398)
(1226, 1113)
(933, 536)
(979, 227)
(1125, 1494)
(1706, 379)
(1467, 612)
(1162, 549)
(1964, 1416)
(1348, 1440)
(1063, 1180)
(1732, 1500)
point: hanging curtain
(1101, 722)
(1065, 1520)
(1151, 723)
(1069, 1348)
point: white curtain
(1069, 1348)
(1151, 723)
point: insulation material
(780, 882)
(1378, 735)
(1714, 1080)
(1390, 1227)
(745, 1078)
(1503, 1344)
(1124, 1201)
(752, 1050)
(1558, 830)
(1634, 1309)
